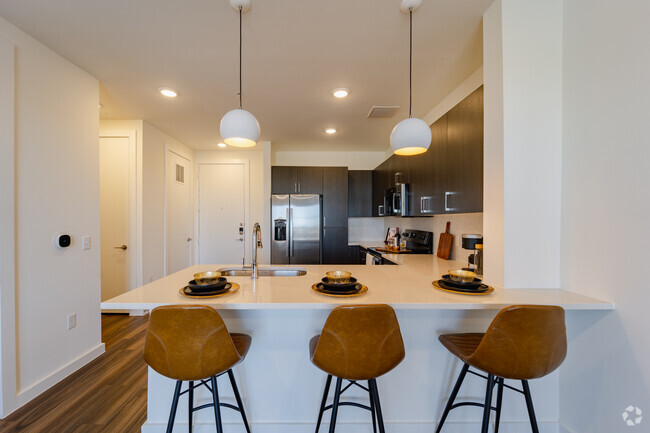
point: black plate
(347, 287)
(480, 289)
(447, 279)
(325, 289)
(189, 291)
(198, 288)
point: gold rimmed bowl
(338, 277)
(462, 276)
(207, 278)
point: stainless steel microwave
(396, 200)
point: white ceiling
(295, 53)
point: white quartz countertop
(406, 286)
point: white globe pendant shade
(410, 137)
(239, 128)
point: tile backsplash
(374, 229)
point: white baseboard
(415, 427)
(47, 382)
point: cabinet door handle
(295, 187)
(298, 186)
(447, 208)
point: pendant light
(239, 128)
(411, 136)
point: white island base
(280, 387)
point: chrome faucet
(257, 243)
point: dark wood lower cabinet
(354, 255)
(335, 245)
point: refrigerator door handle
(291, 245)
(289, 223)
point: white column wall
(606, 212)
(523, 142)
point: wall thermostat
(61, 240)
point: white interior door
(178, 213)
(222, 213)
(114, 215)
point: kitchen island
(282, 389)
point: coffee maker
(474, 242)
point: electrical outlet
(459, 241)
(85, 243)
(72, 320)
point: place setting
(339, 284)
(208, 285)
(462, 282)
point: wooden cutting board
(444, 244)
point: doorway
(178, 213)
(117, 172)
(222, 212)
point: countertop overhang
(404, 287)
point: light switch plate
(72, 320)
(85, 243)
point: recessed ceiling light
(340, 92)
(170, 93)
(330, 131)
(222, 144)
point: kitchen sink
(263, 272)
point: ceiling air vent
(382, 111)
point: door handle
(123, 247)
(240, 239)
(189, 239)
(447, 208)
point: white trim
(135, 204)
(8, 384)
(461, 92)
(52, 379)
(247, 218)
(346, 427)
(188, 178)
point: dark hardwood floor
(107, 395)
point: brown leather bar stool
(358, 342)
(191, 343)
(523, 342)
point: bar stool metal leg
(488, 404)
(452, 397)
(375, 392)
(323, 401)
(529, 405)
(235, 390)
(217, 408)
(499, 401)
(190, 404)
(335, 404)
(372, 409)
(172, 412)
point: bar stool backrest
(360, 342)
(523, 342)
(188, 342)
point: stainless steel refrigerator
(296, 222)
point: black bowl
(340, 287)
(449, 282)
(200, 288)
(188, 290)
(326, 289)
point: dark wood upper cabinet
(296, 180)
(465, 145)
(448, 178)
(309, 180)
(335, 196)
(283, 180)
(360, 193)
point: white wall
(352, 160)
(523, 136)
(150, 179)
(606, 211)
(259, 160)
(56, 189)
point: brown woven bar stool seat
(191, 343)
(358, 342)
(523, 342)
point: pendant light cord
(410, 60)
(240, 45)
